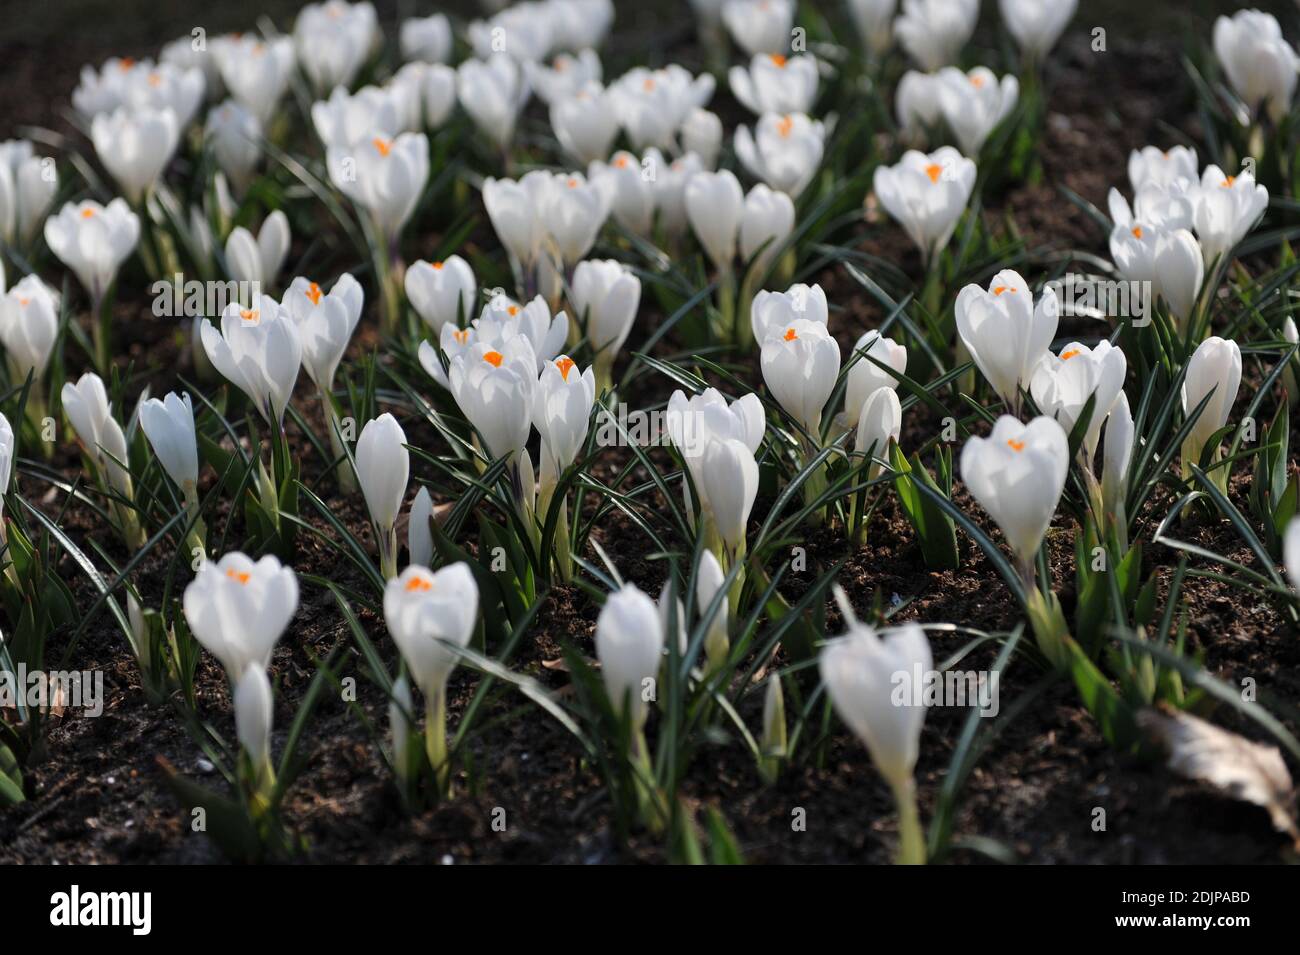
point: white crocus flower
(708, 584)
(767, 222)
(927, 195)
(1162, 167)
(653, 104)
(1117, 452)
(1037, 24)
(605, 296)
(503, 318)
(1180, 272)
(561, 412)
(494, 385)
(325, 323)
(880, 420)
(729, 483)
(759, 26)
(776, 84)
(442, 292)
(234, 134)
(168, 423)
(934, 32)
(29, 327)
(1017, 474)
(1214, 370)
(258, 351)
(1005, 333)
(865, 376)
(565, 75)
(715, 204)
(135, 146)
(874, 20)
(1291, 552)
(258, 261)
(383, 469)
(493, 92)
(1227, 208)
(670, 192)
(916, 102)
(256, 71)
(625, 186)
(629, 645)
(237, 609)
(451, 342)
(254, 712)
(87, 408)
(774, 311)
(333, 40)
(427, 39)
(1260, 64)
(383, 176)
(974, 103)
(784, 151)
(347, 118)
(1062, 384)
(28, 183)
(701, 133)
(801, 363)
(419, 529)
(694, 424)
(585, 123)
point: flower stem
(435, 737)
(911, 839)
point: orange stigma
(1003, 288)
(1015, 445)
(249, 314)
(565, 365)
(1067, 355)
(241, 576)
(777, 59)
(934, 171)
(87, 213)
(785, 126)
(437, 266)
(1137, 232)
(493, 358)
(461, 335)
(384, 146)
(313, 293)
(791, 334)
(418, 584)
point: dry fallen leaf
(1245, 770)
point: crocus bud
(767, 221)
(259, 352)
(29, 326)
(865, 376)
(169, 426)
(927, 195)
(1005, 333)
(419, 529)
(254, 710)
(585, 122)
(774, 729)
(701, 134)
(776, 84)
(238, 609)
(605, 295)
(801, 363)
(784, 151)
(708, 583)
(423, 609)
(1289, 378)
(759, 26)
(6, 458)
(383, 468)
(258, 261)
(714, 206)
(561, 412)
(1180, 272)
(1214, 367)
(974, 103)
(916, 102)
(442, 292)
(1062, 384)
(1017, 474)
(401, 709)
(1291, 552)
(1037, 24)
(729, 484)
(492, 93)
(874, 20)
(696, 423)
(135, 146)
(1260, 64)
(235, 136)
(629, 642)
(93, 241)
(426, 38)
(1117, 452)
(933, 32)
(626, 190)
(28, 184)
(1228, 208)
(879, 423)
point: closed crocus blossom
(1017, 474)
(86, 405)
(1214, 370)
(776, 84)
(234, 134)
(695, 422)
(629, 644)
(426, 38)
(419, 529)
(865, 376)
(767, 222)
(927, 195)
(730, 482)
(28, 183)
(1037, 24)
(325, 323)
(874, 20)
(759, 26)
(6, 462)
(880, 420)
(135, 146)
(933, 32)
(1180, 272)
(1162, 167)
(385, 177)
(333, 40)
(1260, 64)
(561, 412)
(168, 423)
(494, 389)
(1005, 333)
(572, 211)
(605, 296)
(258, 351)
(427, 94)
(237, 609)
(708, 583)
(775, 311)
(1062, 384)
(428, 614)
(564, 75)
(916, 102)
(258, 261)
(785, 151)
(29, 327)
(627, 190)
(254, 710)
(861, 672)
(670, 193)
(492, 92)
(442, 292)
(714, 206)
(383, 468)
(1227, 208)
(255, 71)
(974, 103)
(1117, 452)
(801, 363)
(93, 241)
(346, 118)
(514, 208)
(585, 123)
(701, 134)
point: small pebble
(205, 766)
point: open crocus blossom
(1017, 474)
(1260, 64)
(428, 615)
(653, 104)
(1037, 24)
(760, 26)
(238, 609)
(694, 424)
(1227, 208)
(776, 84)
(801, 363)
(933, 32)
(259, 352)
(257, 261)
(383, 468)
(1062, 385)
(1005, 333)
(1171, 261)
(493, 92)
(325, 323)
(564, 75)
(93, 241)
(865, 376)
(1213, 372)
(502, 318)
(862, 671)
(384, 177)
(169, 425)
(605, 295)
(333, 40)
(493, 385)
(28, 184)
(708, 583)
(625, 186)
(974, 103)
(29, 329)
(629, 645)
(256, 71)
(784, 151)
(346, 118)
(442, 292)
(775, 311)
(585, 122)
(927, 195)
(87, 408)
(135, 146)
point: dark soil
(98, 795)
